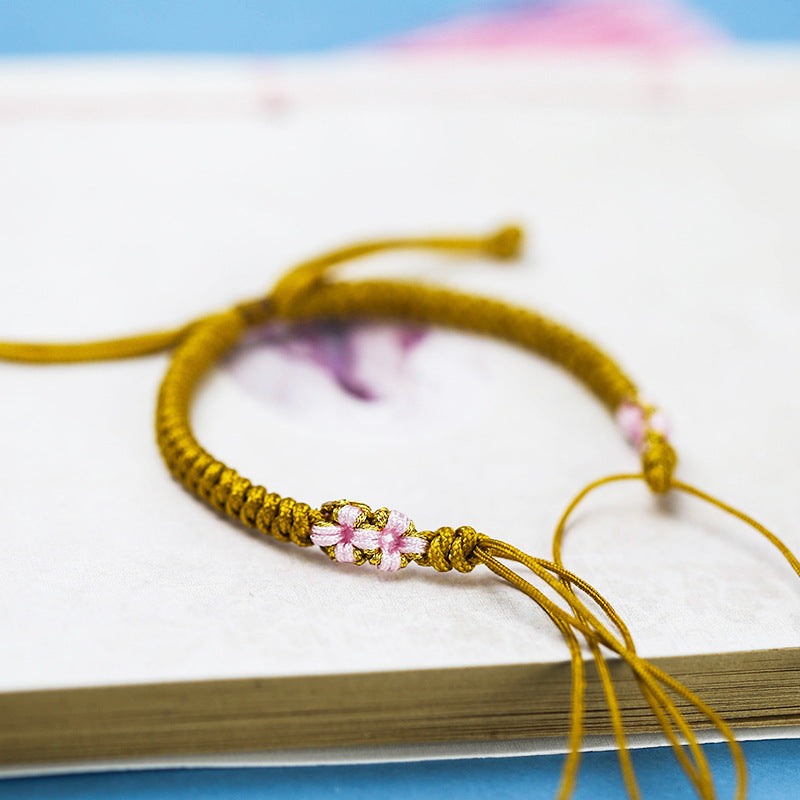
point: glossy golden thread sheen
(307, 293)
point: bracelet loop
(304, 295)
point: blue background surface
(36, 27)
(279, 26)
(773, 776)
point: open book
(135, 621)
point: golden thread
(107, 349)
(306, 293)
(658, 462)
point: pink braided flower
(635, 422)
(391, 540)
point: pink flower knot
(392, 540)
(635, 420)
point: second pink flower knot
(391, 541)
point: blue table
(774, 775)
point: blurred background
(41, 27)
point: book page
(660, 204)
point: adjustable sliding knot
(648, 430)
(658, 462)
(452, 549)
(352, 533)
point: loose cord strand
(505, 243)
(769, 535)
(698, 772)
(736, 753)
(593, 630)
(569, 773)
(100, 350)
(704, 782)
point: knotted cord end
(452, 549)
(507, 243)
(648, 430)
(658, 461)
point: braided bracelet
(352, 532)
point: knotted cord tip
(506, 243)
(452, 549)
(658, 461)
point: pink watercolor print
(642, 25)
(377, 381)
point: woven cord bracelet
(350, 531)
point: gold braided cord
(308, 293)
(418, 303)
(205, 343)
(211, 480)
(303, 294)
(102, 350)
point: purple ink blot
(365, 360)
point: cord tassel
(653, 681)
(700, 779)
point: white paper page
(661, 201)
